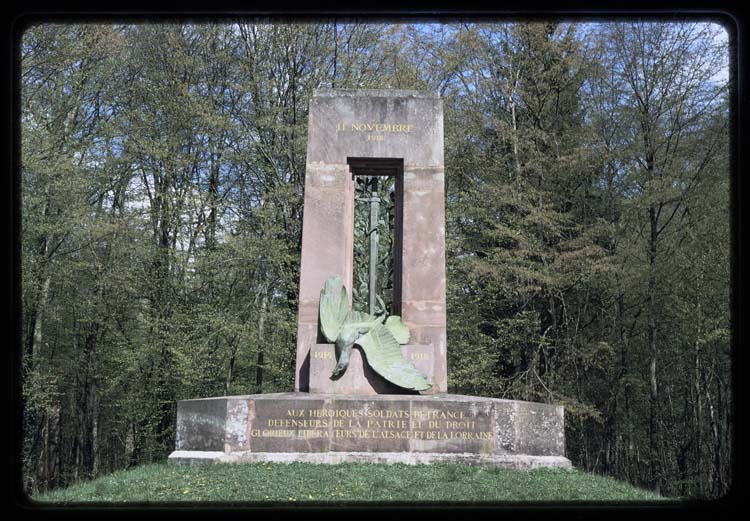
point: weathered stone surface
(419, 145)
(304, 423)
(454, 426)
(539, 429)
(399, 124)
(201, 424)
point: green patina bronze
(379, 338)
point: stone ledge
(373, 93)
(522, 462)
(437, 397)
(195, 457)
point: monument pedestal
(360, 415)
(386, 428)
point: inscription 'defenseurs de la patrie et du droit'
(376, 131)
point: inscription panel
(371, 426)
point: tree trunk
(697, 408)
(335, 53)
(698, 422)
(654, 398)
(37, 319)
(54, 417)
(89, 405)
(230, 370)
(625, 371)
(38, 308)
(261, 340)
(716, 479)
(722, 480)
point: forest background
(588, 227)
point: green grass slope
(302, 483)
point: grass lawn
(313, 484)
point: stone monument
(357, 414)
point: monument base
(525, 462)
(395, 428)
